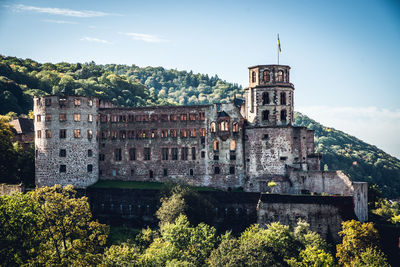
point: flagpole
(278, 48)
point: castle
(243, 144)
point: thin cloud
(96, 40)
(62, 11)
(60, 21)
(149, 38)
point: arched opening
(213, 127)
(265, 115)
(283, 115)
(266, 76)
(216, 145)
(224, 126)
(253, 76)
(235, 127)
(280, 76)
(283, 98)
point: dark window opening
(151, 174)
(132, 172)
(118, 154)
(165, 172)
(89, 168)
(90, 153)
(132, 154)
(232, 156)
(164, 153)
(265, 115)
(283, 115)
(63, 168)
(174, 153)
(146, 153)
(63, 153)
(283, 158)
(47, 102)
(63, 133)
(191, 172)
(283, 98)
(203, 154)
(184, 153)
(216, 170)
(265, 98)
(193, 153)
(266, 76)
(216, 157)
(232, 170)
(266, 136)
(101, 157)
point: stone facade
(247, 143)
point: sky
(344, 55)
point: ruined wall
(173, 143)
(65, 141)
(324, 213)
(8, 189)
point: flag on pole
(279, 45)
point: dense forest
(124, 85)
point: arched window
(216, 145)
(232, 145)
(213, 127)
(235, 127)
(266, 76)
(280, 76)
(265, 98)
(265, 115)
(224, 126)
(283, 98)
(283, 115)
(253, 76)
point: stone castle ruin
(243, 144)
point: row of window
(63, 133)
(266, 99)
(223, 126)
(266, 76)
(153, 117)
(63, 153)
(283, 117)
(62, 117)
(154, 133)
(63, 101)
(63, 168)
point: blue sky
(344, 54)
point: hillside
(20, 79)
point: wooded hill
(131, 86)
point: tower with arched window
(269, 97)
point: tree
(121, 255)
(68, 234)
(8, 156)
(371, 258)
(312, 256)
(357, 238)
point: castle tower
(269, 97)
(66, 147)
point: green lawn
(139, 185)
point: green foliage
(371, 257)
(357, 238)
(359, 160)
(121, 255)
(387, 211)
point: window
(202, 116)
(164, 133)
(62, 102)
(113, 135)
(153, 133)
(283, 98)
(216, 157)
(131, 134)
(191, 172)
(132, 172)
(231, 170)
(122, 118)
(202, 132)
(63, 133)
(146, 153)
(183, 117)
(90, 102)
(63, 117)
(265, 115)
(38, 118)
(39, 134)
(192, 132)
(151, 174)
(164, 117)
(77, 101)
(232, 145)
(132, 153)
(192, 117)
(193, 153)
(114, 172)
(164, 153)
(89, 168)
(90, 153)
(47, 117)
(184, 133)
(173, 133)
(203, 154)
(103, 118)
(89, 134)
(48, 133)
(253, 76)
(216, 145)
(118, 154)
(122, 134)
(89, 117)
(184, 153)
(174, 153)
(101, 157)
(104, 134)
(280, 76)
(232, 155)
(63, 153)
(216, 170)
(235, 127)
(77, 133)
(213, 127)
(174, 117)
(283, 115)
(63, 168)
(38, 102)
(47, 101)
(266, 76)
(283, 158)
(77, 117)
(224, 126)
(165, 172)
(114, 118)
(153, 117)
(265, 98)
